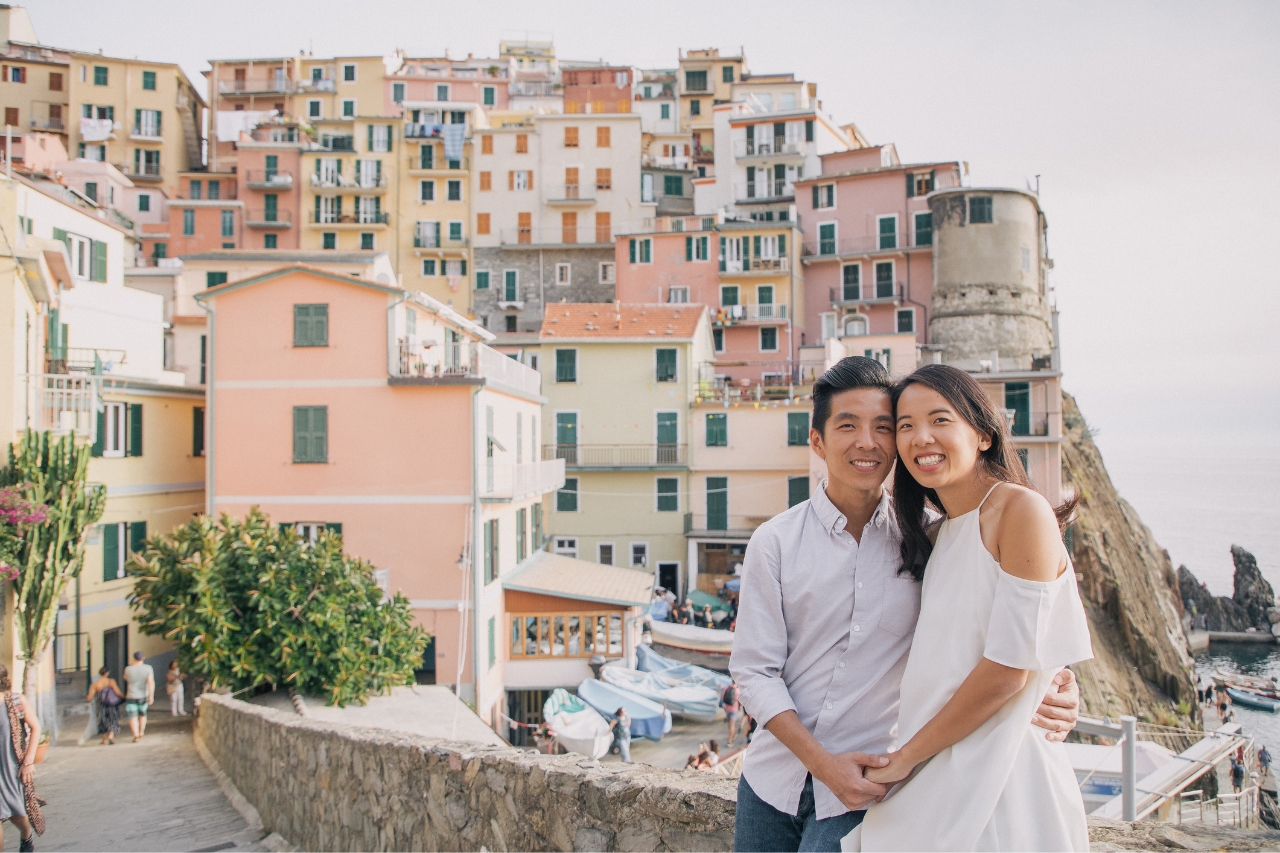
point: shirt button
(859, 584)
(842, 664)
(857, 627)
(828, 706)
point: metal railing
(71, 652)
(427, 131)
(867, 291)
(770, 190)
(268, 218)
(675, 224)
(767, 148)
(867, 244)
(502, 480)
(759, 265)
(571, 193)
(267, 179)
(315, 86)
(324, 218)
(89, 359)
(275, 134)
(47, 123)
(278, 83)
(63, 403)
(337, 180)
(1237, 810)
(338, 143)
(533, 89)
(658, 161)
(144, 171)
(712, 523)
(420, 359)
(727, 315)
(434, 240)
(617, 455)
(763, 381)
(561, 235)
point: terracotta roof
(569, 577)
(612, 320)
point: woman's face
(938, 447)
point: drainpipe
(476, 557)
(391, 336)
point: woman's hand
(28, 773)
(898, 768)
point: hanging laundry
(95, 129)
(454, 135)
(231, 123)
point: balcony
(736, 315)
(766, 380)
(774, 149)
(534, 90)
(867, 244)
(348, 219)
(277, 84)
(771, 190)
(338, 181)
(145, 133)
(426, 131)
(275, 181)
(703, 155)
(421, 361)
(338, 143)
(48, 123)
(657, 161)
(607, 456)
(269, 219)
(571, 195)
(315, 86)
(275, 134)
(867, 293)
(425, 239)
(515, 482)
(757, 265)
(588, 236)
(147, 172)
(63, 403)
(721, 526)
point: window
(311, 325)
(888, 231)
(695, 108)
(482, 223)
(486, 144)
(717, 430)
(197, 431)
(1017, 403)
(426, 156)
(329, 240)
(269, 241)
(827, 238)
(677, 295)
(522, 143)
(311, 434)
(852, 288)
(511, 323)
(797, 429)
(490, 550)
(668, 494)
(379, 138)
(90, 188)
(366, 242)
(665, 111)
(348, 108)
(99, 75)
(428, 266)
(980, 208)
(824, 195)
(726, 74)
(717, 339)
(148, 80)
(119, 431)
(672, 185)
(907, 320)
(348, 73)
(455, 191)
(188, 223)
(55, 81)
(639, 555)
(144, 202)
(571, 137)
(228, 223)
(488, 94)
(696, 81)
(567, 496)
(604, 553)
(215, 190)
(563, 274)
(919, 183)
(397, 93)
(604, 179)
(646, 188)
(641, 251)
(924, 229)
(313, 109)
(566, 365)
(521, 179)
(728, 295)
(455, 236)
(426, 191)
(510, 286)
(608, 273)
(666, 365)
(482, 279)
(602, 137)
(886, 288)
(213, 279)
(768, 338)
(797, 490)
(442, 91)
(808, 130)
(119, 542)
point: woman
(107, 697)
(20, 734)
(1000, 615)
(620, 724)
(173, 686)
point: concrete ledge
(1240, 637)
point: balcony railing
(618, 455)
(315, 86)
(260, 179)
(731, 525)
(430, 361)
(754, 381)
(325, 218)
(338, 143)
(868, 244)
(268, 218)
(703, 155)
(759, 265)
(63, 403)
(558, 236)
(657, 161)
(770, 190)
(571, 194)
(277, 84)
(144, 171)
(47, 123)
(728, 315)
(768, 148)
(337, 180)
(434, 240)
(517, 481)
(275, 134)
(868, 291)
(533, 89)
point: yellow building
(620, 379)
(351, 184)
(705, 79)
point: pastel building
(313, 376)
(620, 379)
(705, 79)
(469, 81)
(348, 196)
(597, 88)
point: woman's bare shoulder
(1027, 534)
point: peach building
(597, 88)
(313, 376)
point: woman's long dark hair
(1000, 460)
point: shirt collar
(834, 521)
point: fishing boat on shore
(1253, 700)
(706, 647)
(577, 727)
(647, 660)
(692, 701)
(1240, 681)
(648, 718)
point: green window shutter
(301, 434)
(782, 245)
(666, 365)
(59, 234)
(717, 430)
(797, 490)
(133, 412)
(482, 280)
(339, 166)
(566, 365)
(797, 429)
(808, 130)
(717, 503)
(302, 325)
(746, 251)
(1017, 396)
(100, 440)
(668, 494)
(391, 135)
(492, 642)
(488, 552)
(137, 536)
(317, 169)
(320, 433)
(815, 197)
(197, 431)
(688, 248)
(755, 243)
(272, 163)
(722, 260)
(110, 551)
(137, 119)
(320, 325)
(633, 250)
(911, 185)
(317, 219)
(334, 528)
(370, 129)
(285, 527)
(99, 254)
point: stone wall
(536, 274)
(325, 786)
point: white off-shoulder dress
(1004, 787)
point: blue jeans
(624, 748)
(758, 826)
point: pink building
(340, 403)
(467, 81)
(868, 243)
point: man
(732, 710)
(685, 614)
(659, 608)
(1264, 760)
(139, 694)
(620, 724)
(825, 624)
(1237, 775)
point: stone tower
(989, 293)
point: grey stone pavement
(152, 795)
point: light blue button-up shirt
(824, 626)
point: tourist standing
(20, 733)
(659, 608)
(140, 679)
(732, 710)
(173, 686)
(1237, 775)
(1264, 760)
(106, 697)
(621, 726)
(685, 614)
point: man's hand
(1061, 707)
(844, 775)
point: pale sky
(1153, 127)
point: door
(669, 576)
(567, 437)
(269, 209)
(426, 674)
(717, 503)
(571, 183)
(884, 280)
(115, 652)
(1017, 403)
(764, 301)
(668, 438)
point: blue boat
(647, 660)
(694, 701)
(1253, 700)
(648, 719)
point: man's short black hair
(855, 371)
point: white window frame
(646, 189)
(608, 272)
(564, 275)
(701, 248)
(657, 494)
(448, 185)
(348, 107)
(849, 318)
(447, 91)
(115, 431)
(769, 246)
(434, 263)
(381, 138)
(461, 231)
(830, 191)
(777, 339)
(908, 310)
(81, 252)
(315, 108)
(613, 553)
(725, 287)
(631, 555)
(426, 197)
(355, 71)
(520, 183)
(897, 235)
(566, 545)
(681, 292)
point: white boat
(647, 660)
(576, 726)
(694, 701)
(705, 647)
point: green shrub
(247, 604)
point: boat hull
(1252, 700)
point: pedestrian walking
(621, 725)
(106, 698)
(1237, 775)
(20, 730)
(732, 710)
(140, 680)
(173, 686)
(1223, 702)
(1264, 760)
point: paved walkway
(153, 795)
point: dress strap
(988, 494)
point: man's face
(857, 440)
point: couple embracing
(905, 655)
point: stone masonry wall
(536, 273)
(324, 786)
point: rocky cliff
(1141, 665)
(1252, 604)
